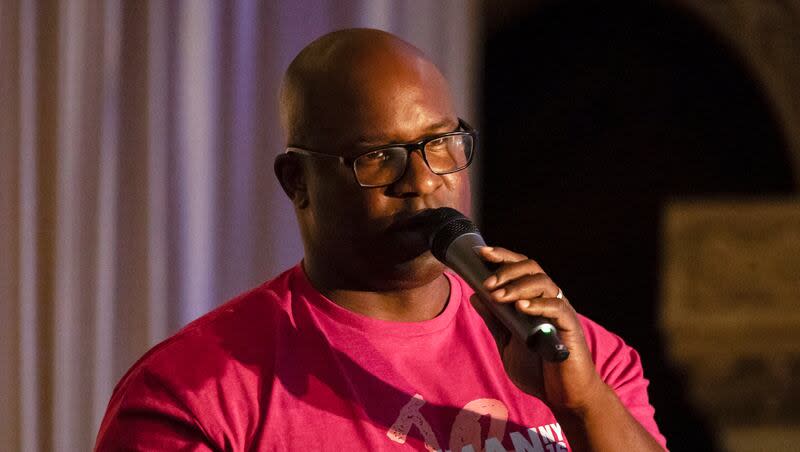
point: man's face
(368, 229)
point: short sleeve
(620, 367)
(144, 416)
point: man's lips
(413, 230)
(418, 222)
(409, 231)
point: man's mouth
(417, 222)
(414, 229)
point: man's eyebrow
(377, 140)
(443, 124)
(369, 141)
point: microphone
(452, 238)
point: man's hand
(589, 411)
(566, 386)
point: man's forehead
(376, 137)
(366, 87)
(378, 118)
(349, 57)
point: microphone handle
(537, 332)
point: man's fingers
(513, 270)
(557, 309)
(512, 265)
(526, 287)
(499, 255)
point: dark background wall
(595, 115)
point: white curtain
(136, 184)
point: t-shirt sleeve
(143, 415)
(621, 368)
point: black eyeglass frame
(409, 147)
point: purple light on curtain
(197, 135)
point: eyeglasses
(384, 165)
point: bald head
(345, 94)
(345, 83)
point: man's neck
(406, 304)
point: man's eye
(377, 156)
(439, 144)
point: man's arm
(605, 425)
(588, 409)
(144, 416)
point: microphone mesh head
(447, 225)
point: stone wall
(732, 270)
(730, 312)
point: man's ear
(292, 178)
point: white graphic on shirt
(466, 435)
(466, 427)
(409, 415)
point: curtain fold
(136, 183)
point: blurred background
(646, 153)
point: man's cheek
(459, 189)
(374, 206)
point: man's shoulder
(239, 334)
(603, 343)
(209, 376)
(617, 362)
(621, 368)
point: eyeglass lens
(444, 155)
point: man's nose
(418, 179)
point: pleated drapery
(136, 184)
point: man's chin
(413, 272)
(422, 260)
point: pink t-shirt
(283, 368)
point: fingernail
(490, 281)
(478, 248)
(499, 293)
(524, 303)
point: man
(370, 344)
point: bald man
(370, 343)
